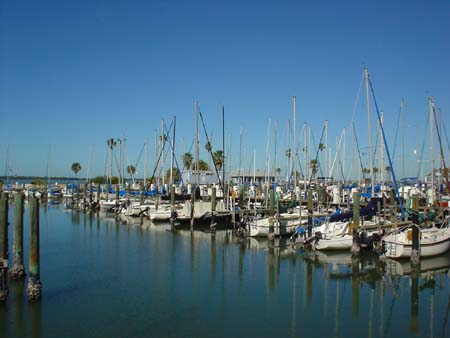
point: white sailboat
(432, 242)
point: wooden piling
(192, 209)
(271, 213)
(173, 212)
(355, 224)
(415, 249)
(4, 227)
(18, 270)
(34, 284)
(213, 207)
(3, 247)
(310, 213)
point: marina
(104, 276)
(219, 169)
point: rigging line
(446, 136)
(296, 147)
(147, 186)
(210, 150)
(139, 157)
(441, 149)
(422, 150)
(357, 97)
(317, 151)
(396, 134)
(175, 158)
(392, 171)
(359, 152)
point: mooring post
(18, 270)
(34, 283)
(213, 207)
(3, 247)
(241, 202)
(192, 209)
(415, 249)
(173, 212)
(310, 213)
(271, 235)
(355, 224)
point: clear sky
(75, 73)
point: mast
(173, 152)
(275, 152)
(145, 160)
(381, 149)
(295, 141)
(254, 166)
(89, 164)
(48, 164)
(305, 150)
(327, 159)
(366, 74)
(431, 103)
(402, 104)
(163, 147)
(240, 156)
(223, 151)
(197, 145)
(7, 165)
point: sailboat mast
(223, 151)
(431, 103)
(145, 160)
(173, 151)
(327, 159)
(402, 104)
(366, 74)
(381, 150)
(295, 141)
(197, 145)
(240, 156)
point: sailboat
(433, 241)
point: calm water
(105, 278)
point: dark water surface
(107, 278)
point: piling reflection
(174, 273)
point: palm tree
(208, 146)
(202, 165)
(218, 159)
(76, 167)
(321, 147)
(131, 170)
(288, 153)
(187, 160)
(314, 167)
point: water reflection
(127, 277)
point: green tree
(314, 164)
(321, 147)
(99, 180)
(114, 180)
(175, 173)
(131, 170)
(76, 167)
(187, 160)
(208, 146)
(218, 159)
(202, 165)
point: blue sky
(75, 73)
